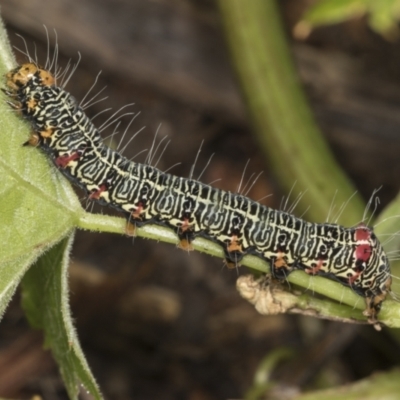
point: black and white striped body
(240, 225)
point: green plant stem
(390, 314)
(378, 386)
(279, 110)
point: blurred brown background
(154, 322)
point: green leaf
(383, 386)
(38, 208)
(384, 17)
(37, 205)
(262, 375)
(334, 11)
(45, 301)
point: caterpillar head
(24, 73)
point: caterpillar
(353, 256)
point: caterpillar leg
(16, 106)
(232, 262)
(133, 220)
(34, 140)
(280, 268)
(185, 239)
(185, 233)
(130, 228)
(37, 137)
(233, 252)
(374, 303)
(10, 93)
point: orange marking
(46, 77)
(280, 261)
(184, 244)
(234, 245)
(31, 103)
(130, 229)
(46, 133)
(23, 74)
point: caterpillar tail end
(374, 304)
(372, 310)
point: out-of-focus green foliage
(382, 15)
